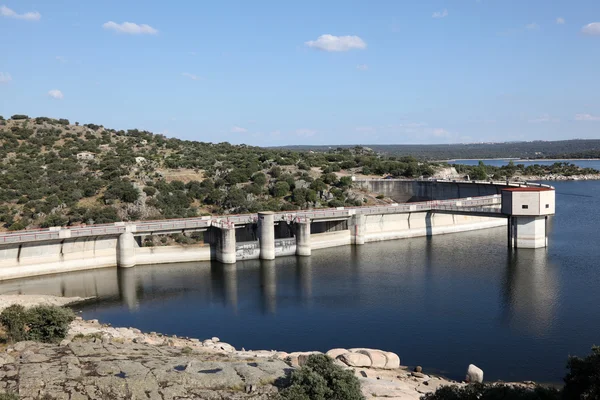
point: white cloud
(586, 117)
(440, 14)
(337, 43)
(5, 77)
(56, 94)
(560, 20)
(238, 129)
(130, 28)
(592, 29)
(544, 118)
(362, 67)
(61, 59)
(532, 26)
(190, 76)
(305, 132)
(28, 16)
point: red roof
(527, 189)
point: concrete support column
(266, 235)
(226, 245)
(528, 232)
(126, 250)
(303, 237)
(358, 227)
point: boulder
(474, 374)
(355, 359)
(334, 353)
(393, 361)
(377, 357)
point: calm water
(498, 163)
(442, 302)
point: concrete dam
(423, 208)
(402, 191)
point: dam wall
(405, 191)
(79, 254)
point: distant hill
(578, 148)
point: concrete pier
(303, 237)
(358, 227)
(266, 235)
(226, 245)
(126, 245)
(528, 232)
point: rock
(334, 353)
(226, 347)
(393, 361)
(355, 359)
(474, 374)
(377, 357)
(418, 375)
(215, 339)
(35, 358)
(418, 368)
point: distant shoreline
(521, 159)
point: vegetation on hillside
(483, 171)
(54, 173)
(538, 149)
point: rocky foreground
(97, 361)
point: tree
(281, 189)
(19, 116)
(259, 178)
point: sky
(274, 73)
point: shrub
(19, 116)
(493, 392)
(14, 321)
(9, 396)
(321, 379)
(583, 379)
(149, 190)
(41, 323)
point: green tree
(281, 189)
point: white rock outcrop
(474, 374)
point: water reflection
(128, 287)
(268, 286)
(304, 278)
(530, 291)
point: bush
(14, 321)
(583, 379)
(41, 323)
(19, 116)
(321, 379)
(493, 392)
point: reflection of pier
(268, 285)
(530, 291)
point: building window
(525, 206)
(547, 205)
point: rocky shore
(98, 361)
(551, 177)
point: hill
(577, 148)
(55, 173)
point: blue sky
(309, 72)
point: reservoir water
(440, 302)
(500, 162)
